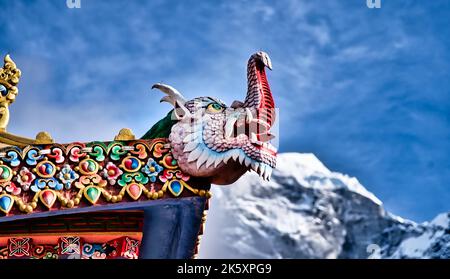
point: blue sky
(366, 90)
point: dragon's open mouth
(256, 129)
(252, 136)
(265, 147)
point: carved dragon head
(210, 139)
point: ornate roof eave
(39, 177)
(8, 139)
(42, 179)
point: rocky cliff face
(308, 211)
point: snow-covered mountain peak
(308, 162)
(309, 171)
(308, 211)
(442, 220)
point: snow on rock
(416, 247)
(442, 220)
(291, 163)
(308, 211)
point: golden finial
(9, 78)
(43, 138)
(125, 134)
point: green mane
(161, 129)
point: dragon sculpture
(210, 139)
(163, 178)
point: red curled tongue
(267, 105)
(259, 96)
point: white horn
(172, 94)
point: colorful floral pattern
(111, 172)
(51, 183)
(67, 176)
(25, 178)
(75, 175)
(71, 248)
(152, 169)
(13, 189)
(168, 175)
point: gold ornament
(43, 138)
(124, 135)
(9, 78)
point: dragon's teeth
(253, 137)
(247, 161)
(217, 161)
(249, 115)
(254, 166)
(235, 154)
(229, 127)
(259, 169)
(269, 172)
(227, 157)
(210, 160)
(241, 158)
(263, 171)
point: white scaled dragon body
(211, 140)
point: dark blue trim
(171, 230)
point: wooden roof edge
(11, 139)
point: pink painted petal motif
(13, 189)
(182, 176)
(57, 155)
(166, 175)
(76, 154)
(25, 178)
(111, 172)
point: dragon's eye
(215, 108)
(3, 90)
